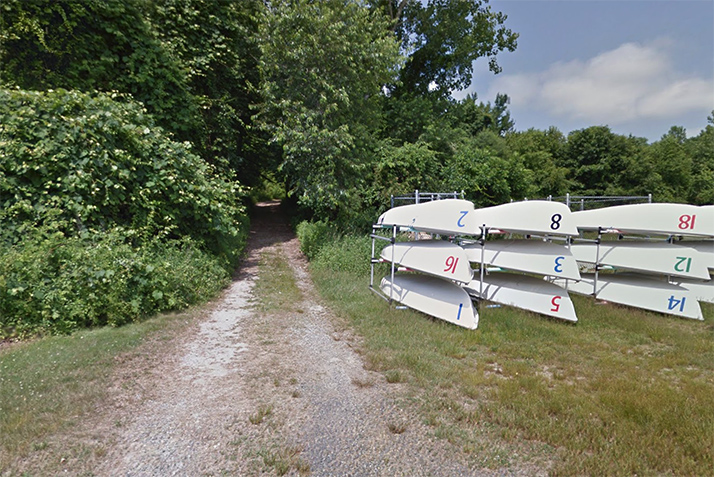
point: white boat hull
(656, 219)
(530, 256)
(435, 257)
(701, 290)
(433, 296)
(525, 292)
(704, 247)
(638, 291)
(444, 217)
(650, 257)
(458, 217)
(537, 217)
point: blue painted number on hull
(558, 266)
(673, 303)
(463, 214)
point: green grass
(276, 288)
(622, 392)
(47, 385)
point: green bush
(349, 253)
(313, 236)
(88, 162)
(53, 284)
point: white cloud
(630, 83)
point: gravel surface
(244, 392)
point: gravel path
(244, 392)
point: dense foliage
(104, 219)
(50, 283)
(323, 65)
(142, 125)
(78, 162)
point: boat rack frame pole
(374, 260)
(482, 269)
(571, 200)
(597, 260)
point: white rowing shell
(445, 217)
(640, 292)
(705, 247)
(701, 290)
(530, 256)
(526, 292)
(434, 296)
(436, 257)
(663, 219)
(651, 257)
(528, 217)
(458, 217)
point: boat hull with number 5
(525, 292)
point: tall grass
(622, 392)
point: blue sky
(637, 66)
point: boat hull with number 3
(530, 256)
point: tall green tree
(701, 150)
(442, 39)
(476, 117)
(539, 151)
(215, 42)
(88, 45)
(324, 64)
(598, 159)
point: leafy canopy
(323, 65)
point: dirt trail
(247, 393)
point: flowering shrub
(103, 218)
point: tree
(324, 64)
(476, 117)
(539, 151)
(82, 162)
(104, 45)
(215, 41)
(598, 159)
(486, 178)
(442, 39)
